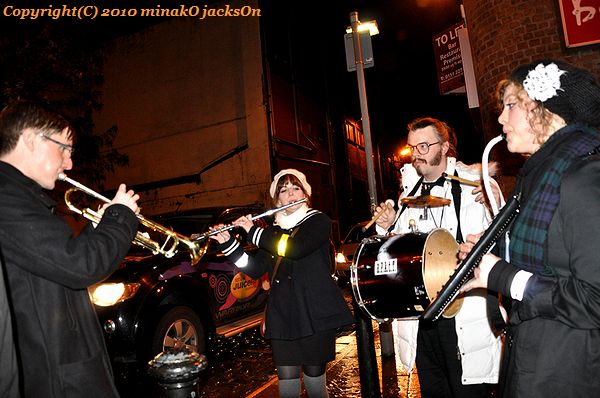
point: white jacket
(480, 349)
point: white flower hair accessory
(543, 82)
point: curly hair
(539, 118)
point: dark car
(152, 302)
(345, 253)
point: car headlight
(340, 258)
(107, 294)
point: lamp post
(356, 42)
(358, 57)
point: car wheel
(178, 328)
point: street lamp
(358, 50)
(370, 26)
(405, 152)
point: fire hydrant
(177, 371)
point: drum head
(440, 258)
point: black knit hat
(567, 91)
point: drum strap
(456, 194)
(404, 206)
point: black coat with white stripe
(304, 299)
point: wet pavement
(343, 374)
(237, 366)
(241, 366)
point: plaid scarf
(539, 182)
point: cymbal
(424, 201)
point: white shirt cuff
(379, 230)
(517, 287)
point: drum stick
(462, 180)
(388, 205)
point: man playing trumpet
(459, 356)
(60, 348)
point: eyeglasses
(64, 147)
(421, 147)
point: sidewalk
(343, 375)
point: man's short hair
(21, 115)
(444, 132)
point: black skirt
(317, 349)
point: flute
(256, 217)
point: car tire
(177, 328)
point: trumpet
(172, 240)
(207, 234)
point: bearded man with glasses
(459, 356)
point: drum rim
(455, 307)
(354, 273)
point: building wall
(187, 98)
(505, 34)
(297, 88)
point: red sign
(581, 21)
(448, 60)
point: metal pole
(367, 360)
(364, 109)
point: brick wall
(507, 33)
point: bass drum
(397, 277)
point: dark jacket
(304, 298)
(553, 346)
(9, 373)
(60, 345)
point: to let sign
(448, 60)
(581, 21)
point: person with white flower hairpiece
(305, 306)
(550, 113)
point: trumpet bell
(171, 240)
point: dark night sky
(400, 87)
(402, 84)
